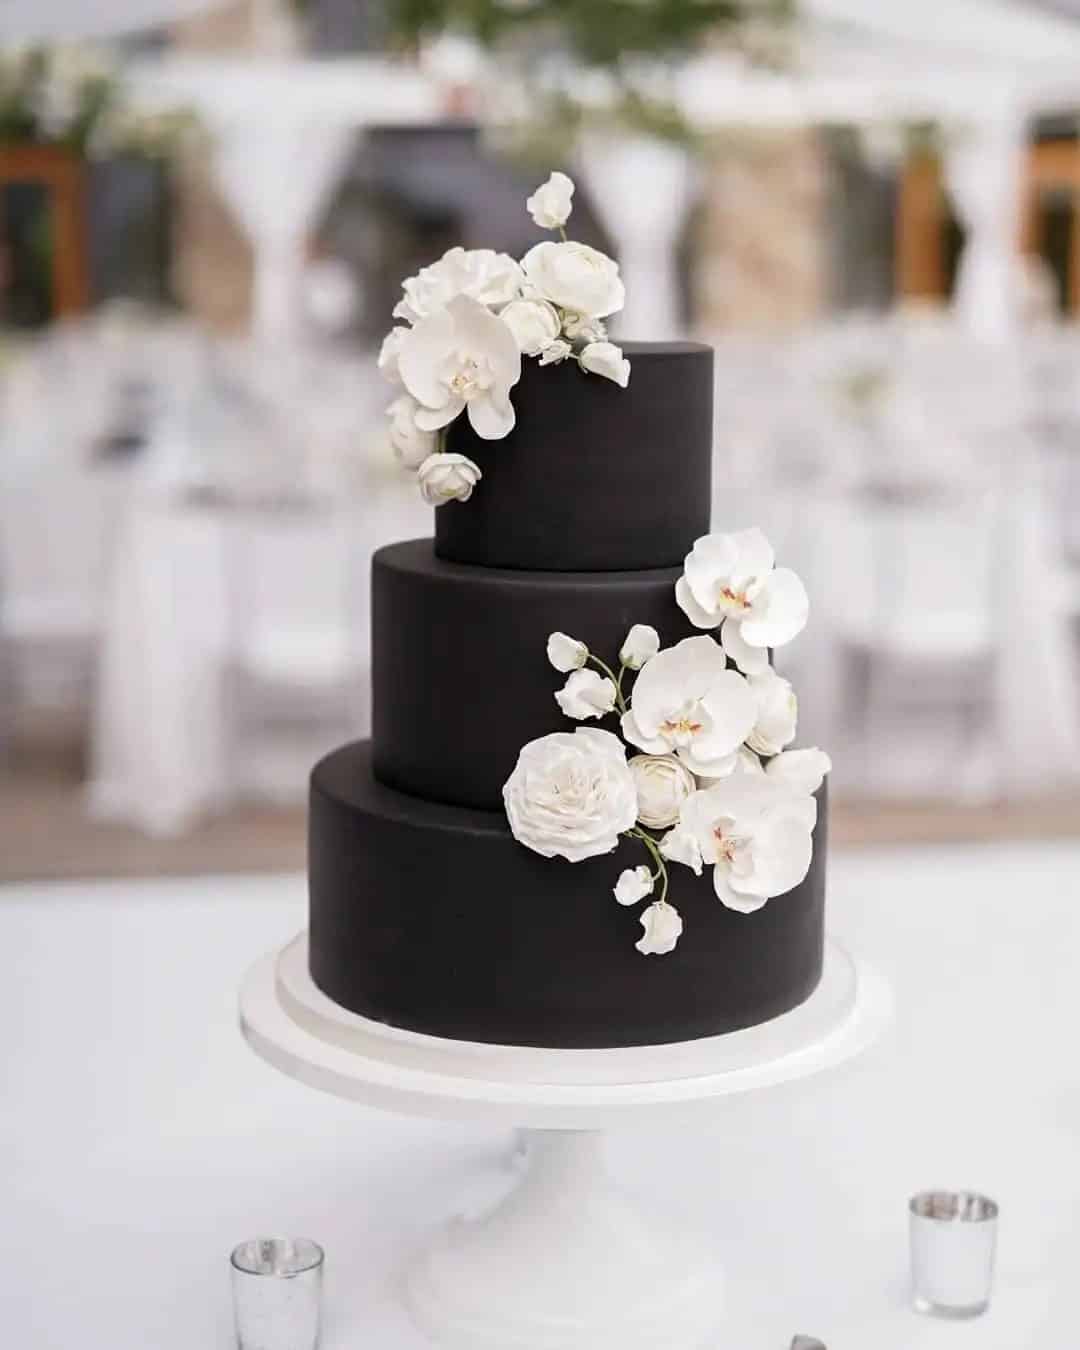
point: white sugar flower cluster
(469, 319)
(714, 782)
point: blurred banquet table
(163, 749)
(141, 1139)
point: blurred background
(205, 215)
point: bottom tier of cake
(434, 919)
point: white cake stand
(566, 1262)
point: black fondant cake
(593, 477)
(460, 681)
(426, 912)
(434, 918)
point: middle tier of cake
(460, 675)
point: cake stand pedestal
(566, 1261)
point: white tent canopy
(1005, 33)
(71, 20)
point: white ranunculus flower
(493, 279)
(663, 928)
(581, 328)
(633, 885)
(586, 694)
(575, 277)
(555, 352)
(566, 653)
(571, 794)
(462, 358)
(446, 478)
(800, 770)
(550, 205)
(604, 358)
(686, 700)
(731, 579)
(534, 324)
(411, 446)
(778, 713)
(641, 645)
(663, 784)
(682, 847)
(389, 353)
(756, 835)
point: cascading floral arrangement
(714, 784)
(470, 318)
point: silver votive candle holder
(277, 1293)
(953, 1242)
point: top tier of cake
(593, 477)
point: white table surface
(140, 1139)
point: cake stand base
(566, 1261)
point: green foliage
(598, 32)
(73, 98)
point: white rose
(534, 324)
(446, 478)
(756, 835)
(663, 928)
(800, 770)
(633, 885)
(604, 358)
(663, 783)
(575, 277)
(586, 694)
(580, 328)
(462, 358)
(778, 713)
(731, 580)
(571, 794)
(491, 278)
(550, 204)
(389, 353)
(686, 701)
(641, 645)
(555, 352)
(566, 653)
(680, 846)
(411, 445)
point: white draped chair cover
(277, 180)
(984, 177)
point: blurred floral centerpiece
(72, 98)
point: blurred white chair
(925, 646)
(296, 665)
(57, 523)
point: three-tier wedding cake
(578, 822)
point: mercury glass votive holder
(953, 1240)
(277, 1293)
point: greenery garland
(597, 32)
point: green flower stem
(562, 233)
(657, 857)
(616, 680)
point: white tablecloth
(159, 747)
(141, 1139)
